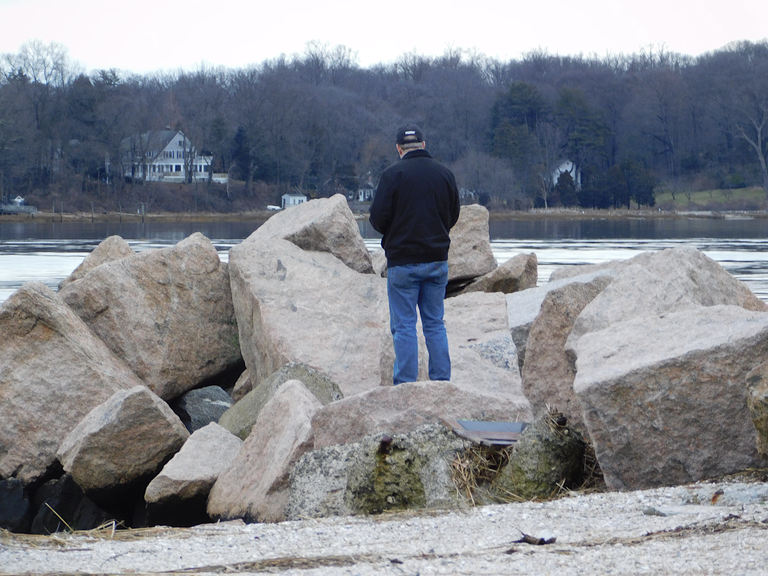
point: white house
(570, 167)
(293, 200)
(163, 156)
(365, 194)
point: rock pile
(167, 386)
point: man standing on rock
(415, 206)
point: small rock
(198, 408)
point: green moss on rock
(546, 457)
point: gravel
(703, 528)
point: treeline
(319, 123)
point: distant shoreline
(263, 215)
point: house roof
(153, 141)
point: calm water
(48, 251)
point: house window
(178, 167)
(181, 143)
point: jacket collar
(418, 153)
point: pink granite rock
(126, 438)
(664, 397)
(168, 313)
(470, 254)
(322, 225)
(193, 470)
(53, 371)
(109, 250)
(308, 307)
(255, 486)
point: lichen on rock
(548, 457)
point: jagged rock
(548, 372)
(15, 507)
(322, 225)
(757, 401)
(53, 371)
(125, 439)
(62, 505)
(548, 457)
(168, 313)
(483, 355)
(194, 469)
(243, 385)
(656, 283)
(109, 250)
(198, 408)
(255, 485)
(524, 306)
(664, 398)
(520, 272)
(241, 417)
(308, 307)
(379, 261)
(377, 474)
(405, 407)
(470, 254)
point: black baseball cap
(409, 134)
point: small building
(293, 200)
(18, 201)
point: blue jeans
(421, 285)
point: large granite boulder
(124, 440)
(322, 225)
(255, 485)
(664, 397)
(201, 406)
(53, 371)
(548, 372)
(309, 307)
(168, 313)
(470, 254)
(191, 473)
(520, 272)
(656, 283)
(240, 418)
(523, 307)
(109, 250)
(380, 473)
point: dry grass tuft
(477, 466)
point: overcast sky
(144, 36)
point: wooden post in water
(61, 212)
(120, 212)
(142, 212)
(53, 212)
(91, 212)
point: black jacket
(415, 205)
